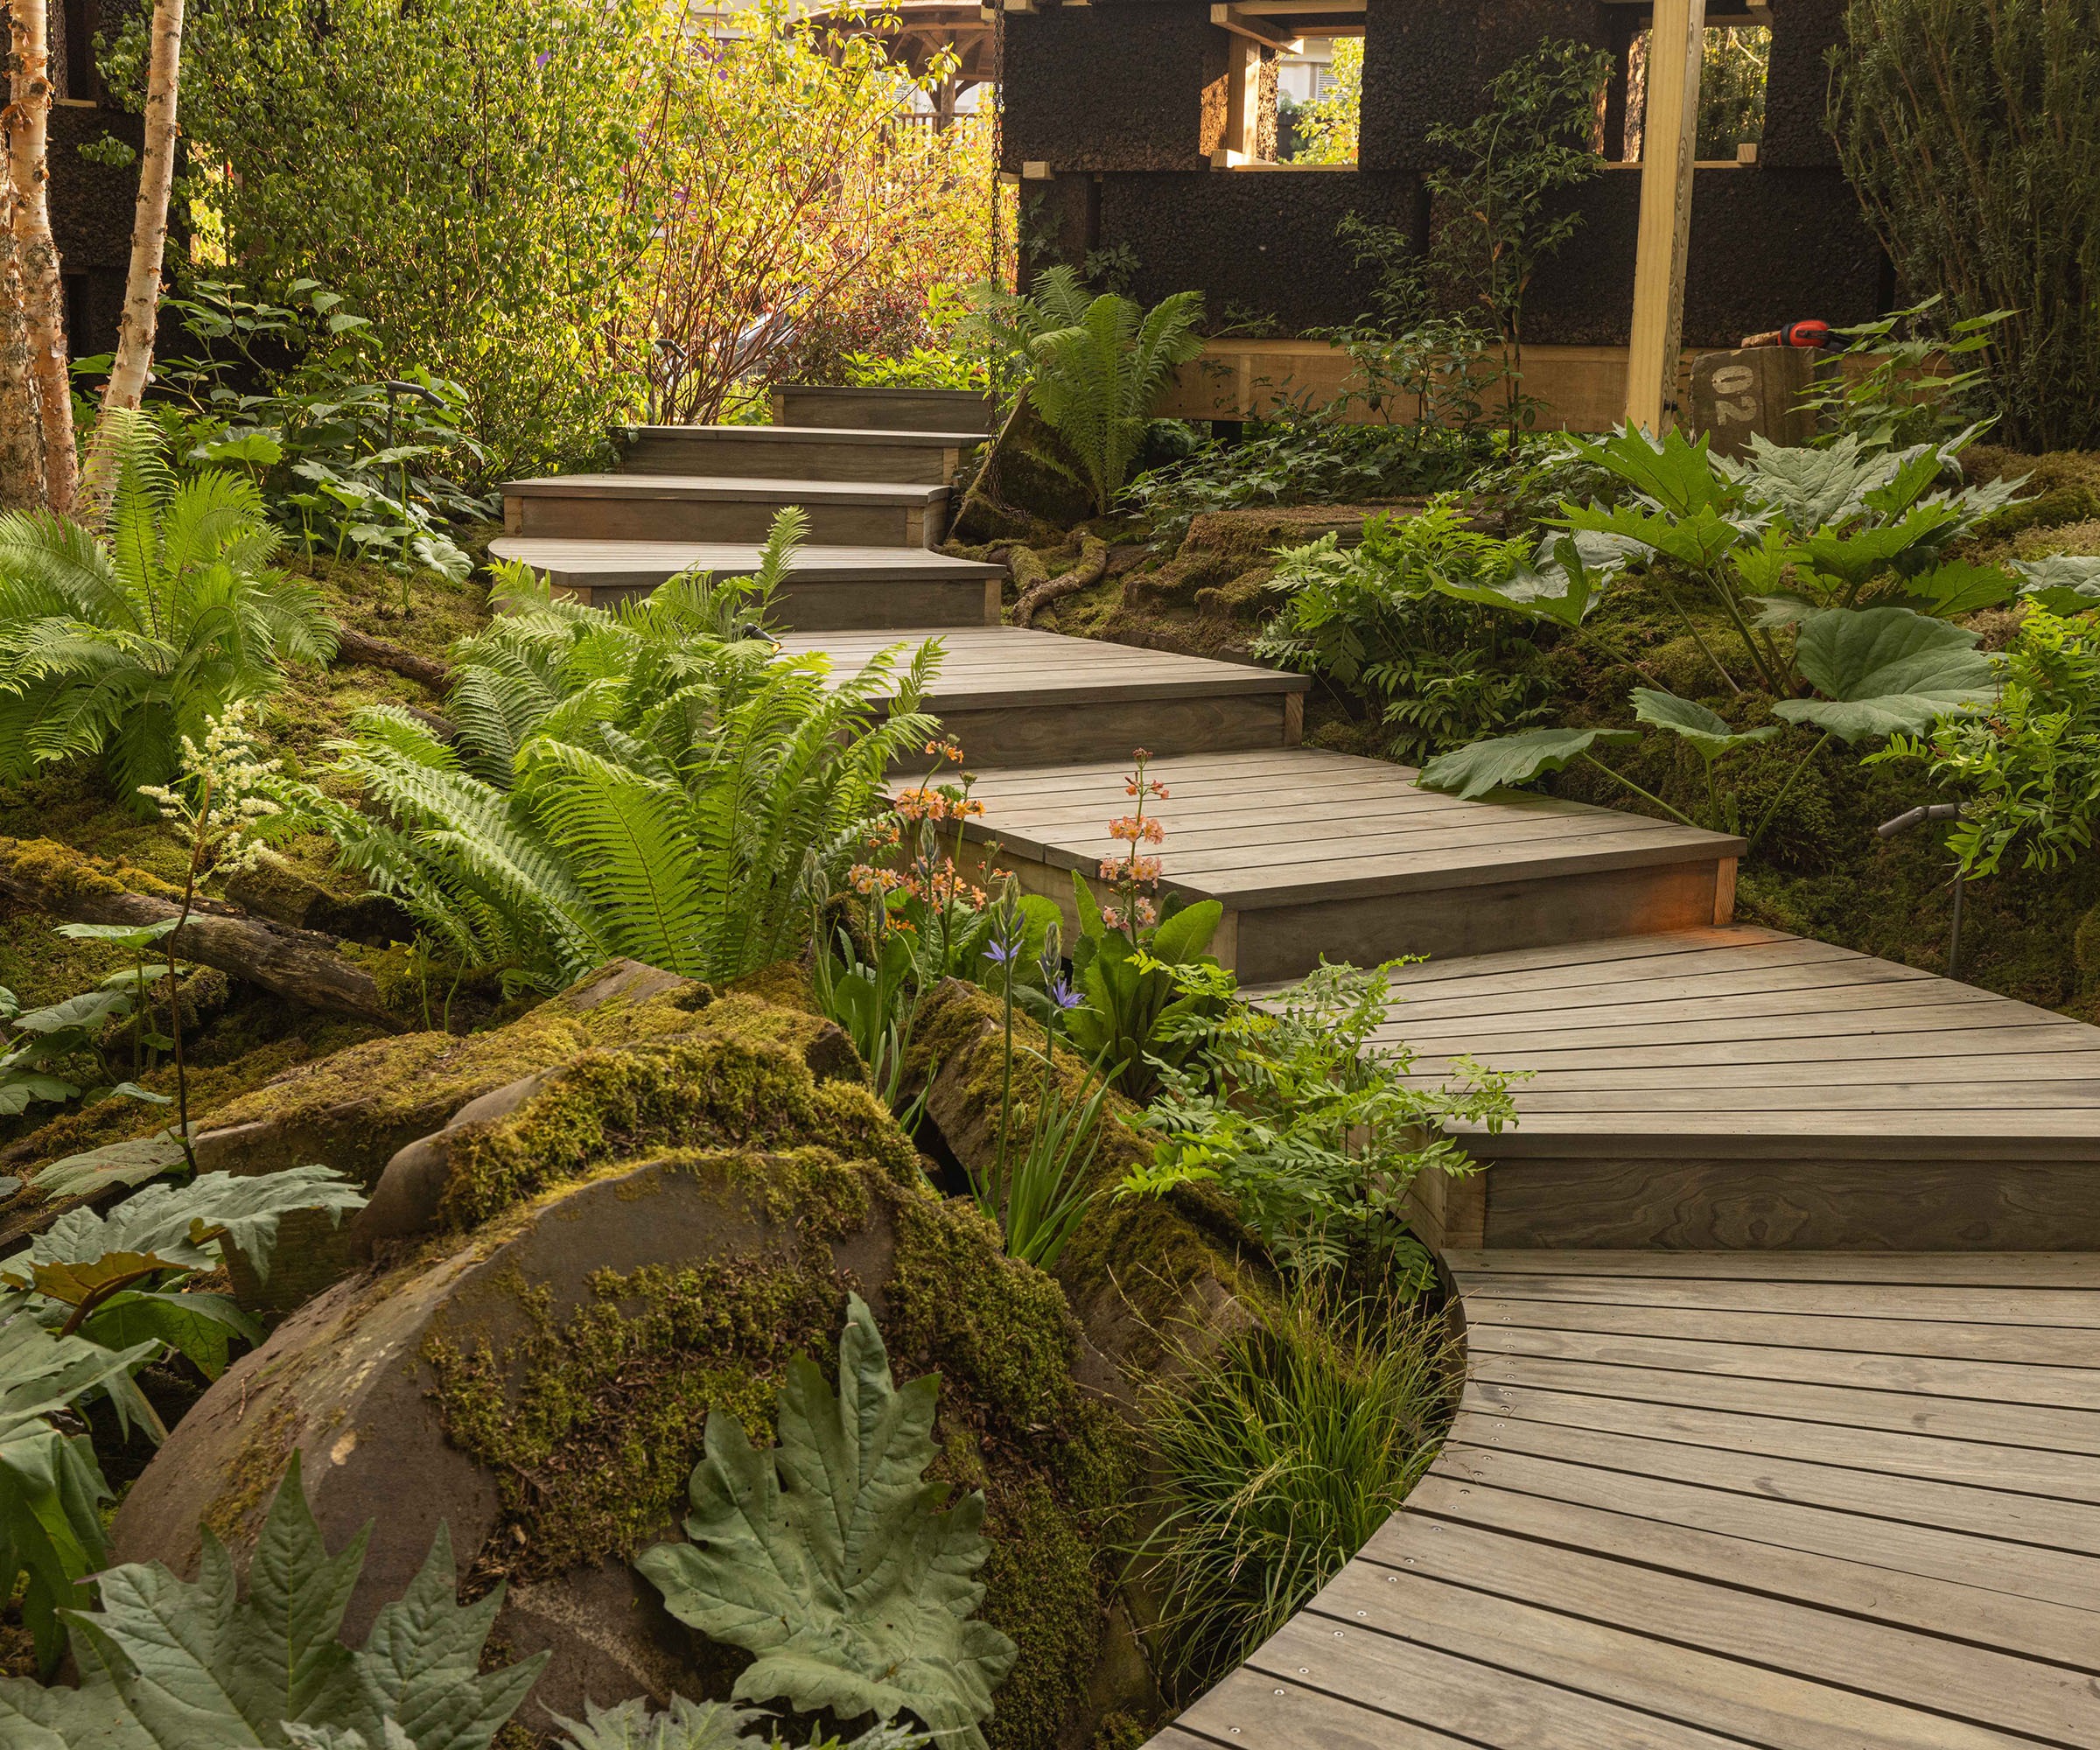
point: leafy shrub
(454, 171)
(703, 1726)
(1326, 128)
(1371, 620)
(832, 1559)
(2031, 768)
(1099, 366)
(645, 782)
(1279, 1456)
(347, 458)
(1311, 1125)
(1973, 134)
(166, 1665)
(123, 639)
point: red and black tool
(1794, 334)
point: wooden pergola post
(1670, 137)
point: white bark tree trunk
(21, 437)
(43, 296)
(133, 364)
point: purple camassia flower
(1063, 994)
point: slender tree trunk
(134, 361)
(43, 296)
(21, 440)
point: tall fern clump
(121, 637)
(657, 781)
(1100, 366)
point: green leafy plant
(1123, 963)
(50, 1487)
(1892, 388)
(167, 1664)
(632, 783)
(1971, 135)
(1498, 213)
(1304, 1113)
(705, 1725)
(830, 1558)
(1371, 620)
(2030, 768)
(1280, 1455)
(349, 456)
(120, 640)
(36, 1045)
(1099, 367)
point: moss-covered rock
(664, 1222)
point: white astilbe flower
(224, 792)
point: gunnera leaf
(1473, 772)
(170, 1664)
(830, 1558)
(685, 1725)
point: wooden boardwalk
(1812, 1503)
(1782, 1425)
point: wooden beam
(1669, 138)
(1249, 26)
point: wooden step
(1315, 853)
(1742, 1088)
(1011, 696)
(793, 453)
(716, 508)
(883, 410)
(828, 589)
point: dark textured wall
(1797, 91)
(1138, 85)
(1263, 240)
(1425, 62)
(1767, 246)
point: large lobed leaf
(830, 1558)
(169, 1664)
(1473, 772)
(1885, 669)
(1709, 732)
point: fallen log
(1092, 566)
(301, 965)
(376, 652)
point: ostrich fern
(647, 782)
(1099, 369)
(121, 639)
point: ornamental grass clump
(1280, 1455)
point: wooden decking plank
(1832, 977)
(1869, 1072)
(1816, 1010)
(2029, 1269)
(1940, 1339)
(1877, 1044)
(1994, 1574)
(1629, 973)
(1251, 1707)
(718, 488)
(2024, 1131)
(1901, 1012)
(1726, 1694)
(2066, 1388)
(1406, 832)
(1804, 1098)
(1427, 1688)
(1819, 1428)
(1728, 1615)
(2056, 1308)
(1601, 954)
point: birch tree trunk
(43, 296)
(21, 440)
(134, 361)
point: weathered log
(302, 965)
(376, 652)
(1092, 566)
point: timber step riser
(750, 520)
(882, 410)
(918, 462)
(1027, 735)
(874, 606)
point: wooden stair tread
(726, 487)
(1263, 828)
(993, 666)
(873, 437)
(842, 564)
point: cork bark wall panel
(1767, 246)
(1134, 85)
(1263, 240)
(1798, 89)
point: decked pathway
(1810, 1503)
(1832, 1480)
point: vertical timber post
(1669, 136)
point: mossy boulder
(645, 1234)
(1227, 557)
